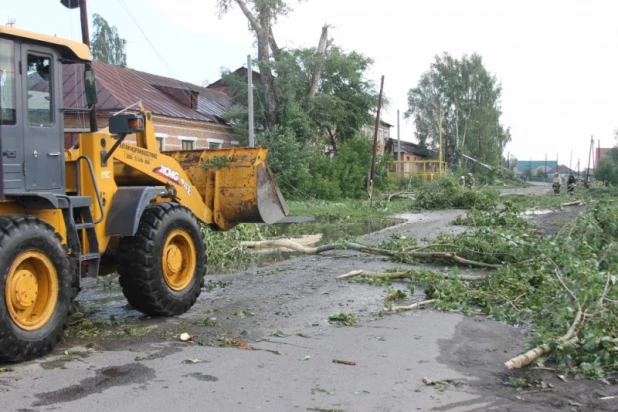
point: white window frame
(187, 139)
(161, 137)
(218, 141)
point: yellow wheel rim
(179, 260)
(31, 290)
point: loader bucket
(247, 195)
(236, 184)
(271, 205)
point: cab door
(11, 122)
(43, 141)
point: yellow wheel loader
(142, 211)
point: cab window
(7, 82)
(39, 90)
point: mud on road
(262, 341)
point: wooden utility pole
(440, 133)
(83, 17)
(372, 175)
(399, 145)
(589, 156)
(250, 94)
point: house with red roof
(185, 116)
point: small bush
(445, 193)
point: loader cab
(31, 112)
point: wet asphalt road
(294, 371)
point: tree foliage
(607, 170)
(340, 107)
(467, 97)
(262, 15)
(107, 46)
(307, 100)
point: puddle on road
(105, 379)
(103, 300)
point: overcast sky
(556, 60)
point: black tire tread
(11, 348)
(140, 270)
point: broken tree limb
(568, 339)
(362, 273)
(290, 244)
(533, 354)
(403, 275)
(453, 256)
(412, 306)
(576, 203)
(344, 362)
(397, 195)
(320, 55)
(430, 246)
(260, 247)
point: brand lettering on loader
(174, 176)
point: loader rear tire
(35, 286)
(162, 267)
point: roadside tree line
(311, 105)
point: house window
(188, 145)
(161, 140)
(214, 143)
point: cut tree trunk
(263, 32)
(320, 54)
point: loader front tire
(35, 285)
(162, 267)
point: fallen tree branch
(535, 353)
(290, 244)
(403, 275)
(362, 273)
(454, 257)
(576, 203)
(262, 246)
(344, 362)
(398, 194)
(419, 248)
(412, 306)
(567, 340)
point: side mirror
(70, 4)
(90, 87)
(126, 124)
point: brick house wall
(172, 133)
